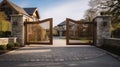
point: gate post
(17, 28)
(103, 29)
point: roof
(26, 11)
(14, 6)
(62, 23)
(30, 11)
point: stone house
(11, 9)
(18, 16)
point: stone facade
(103, 29)
(17, 24)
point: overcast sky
(59, 10)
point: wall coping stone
(113, 38)
(6, 40)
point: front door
(79, 32)
(39, 32)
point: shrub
(3, 47)
(10, 46)
(17, 44)
(5, 33)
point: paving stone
(58, 56)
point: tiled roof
(30, 11)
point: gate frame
(38, 22)
(74, 21)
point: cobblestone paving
(52, 54)
(40, 56)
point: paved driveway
(58, 55)
(65, 56)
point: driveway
(58, 56)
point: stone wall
(103, 29)
(112, 45)
(12, 39)
(18, 28)
(112, 42)
(5, 41)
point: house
(18, 17)
(61, 27)
(11, 9)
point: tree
(5, 27)
(96, 7)
(3, 16)
(114, 10)
(99, 5)
(90, 14)
(4, 24)
(108, 7)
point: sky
(59, 10)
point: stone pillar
(103, 29)
(17, 30)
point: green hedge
(5, 33)
(3, 47)
(17, 44)
(10, 46)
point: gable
(32, 12)
(62, 23)
(12, 6)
